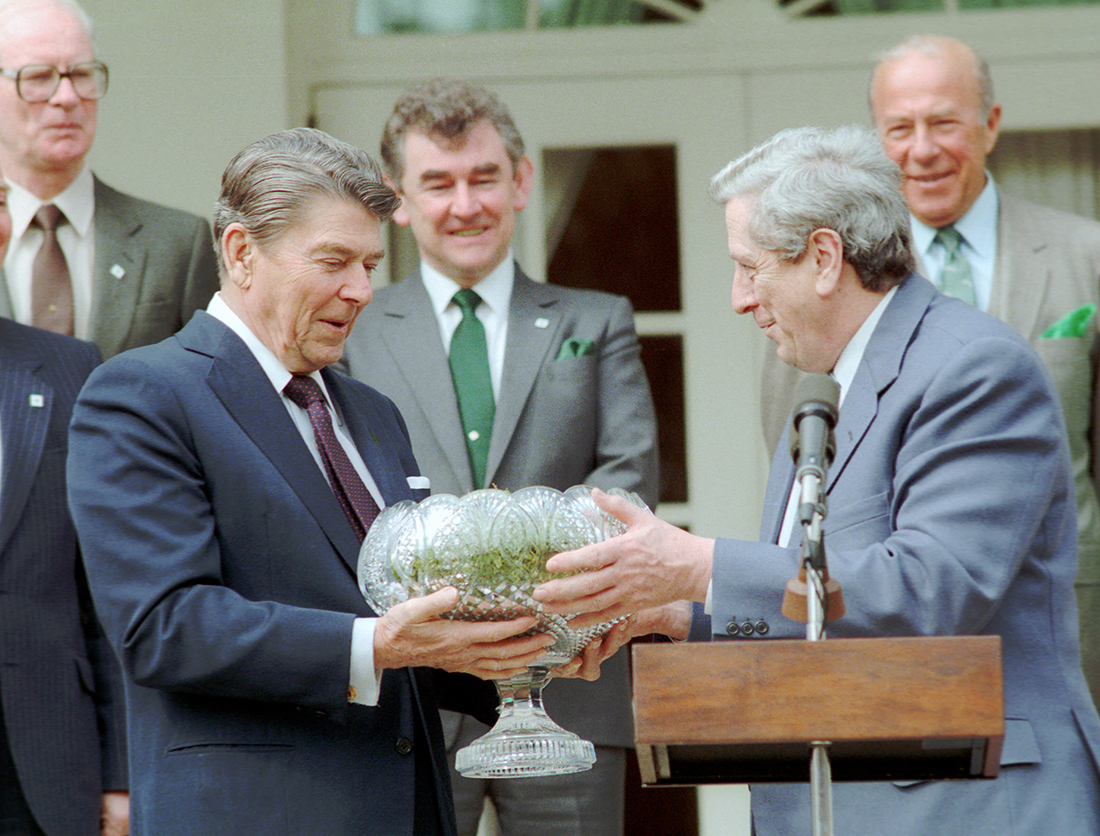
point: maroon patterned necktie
(358, 504)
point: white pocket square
(419, 483)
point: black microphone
(812, 443)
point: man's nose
(65, 95)
(464, 202)
(741, 294)
(923, 146)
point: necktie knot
(949, 238)
(467, 300)
(49, 217)
(303, 391)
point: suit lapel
(879, 368)
(248, 396)
(361, 417)
(5, 296)
(534, 318)
(409, 324)
(26, 400)
(118, 269)
(1020, 252)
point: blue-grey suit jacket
(950, 511)
(59, 682)
(225, 575)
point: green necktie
(956, 279)
(469, 358)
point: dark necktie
(956, 278)
(358, 504)
(469, 359)
(51, 286)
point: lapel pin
(117, 271)
(37, 400)
(542, 322)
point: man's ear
(238, 251)
(827, 251)
(525, 181)
(400, 215)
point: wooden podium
(735, 712)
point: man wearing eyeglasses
(84, 258)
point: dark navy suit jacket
(225, 573)
(57, 674)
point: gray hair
(71, 6)
(446, 109)
(805, 179)
(934, 46)
(268, 184)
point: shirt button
(404, 746)
(733, 629)
(474, 435)
(747, 628)
(762, 628)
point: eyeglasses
(38, 82)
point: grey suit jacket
(950, 511)
(154, 267)
(59, 682)
(584, 420)
(1047, 267)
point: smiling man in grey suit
(1033, 267)
(137, 270)
(567, 398)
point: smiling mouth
(469, 233)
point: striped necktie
(956, 278)
(355, 500)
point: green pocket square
(576, 347)
(1074, 324)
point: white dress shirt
(365, 681)
(76, 239)
(495, 291)
(978, 228)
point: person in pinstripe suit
(62, 742)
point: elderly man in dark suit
(221, 482)
(566, 398)
(62, 744)
(85, 259)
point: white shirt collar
(272, 366)
(495, 289)
(77, 202)
(978, 226)
(847, 364)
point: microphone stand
(813, 597)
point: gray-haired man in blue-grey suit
(951, 506)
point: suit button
(762, 628)
(733, 629)
(747, 629)
(404, 746)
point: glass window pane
(613, 222)
(663, 358)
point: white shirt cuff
(365, 680)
